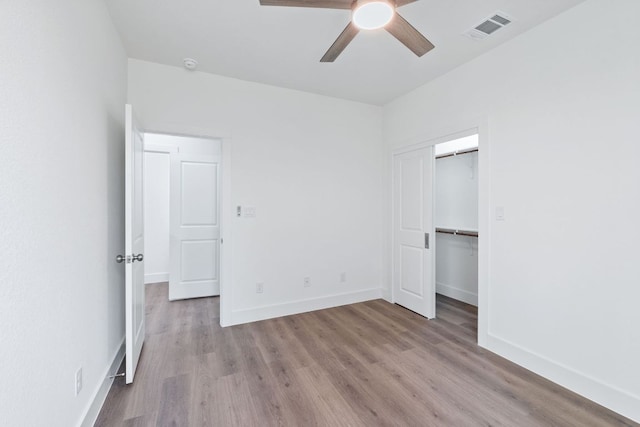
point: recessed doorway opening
(182, 214)
(456, 232)
(435, 238)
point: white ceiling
(282, 46)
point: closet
(456, 219)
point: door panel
(196, 260)
(199, 202)
(412, 191)
(411, 267)
(134, 244)
(195, 228)
(413, 273)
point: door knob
(129, 259)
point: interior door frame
(432, 138)
(226, 245)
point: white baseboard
(456, 293)
(100, 395)
(156, 278)
(386, 295)
(302, 306)
(620, 401)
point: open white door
(134, 244)
(413, 264)
(194, 225)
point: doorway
(456, 210)
(182, 214)
(443, 229)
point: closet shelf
(457, 153)
(456, 232)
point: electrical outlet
(343, 277)
(307, 282)
(78, 381)
(259, 287)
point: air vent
(489, 26)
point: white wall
(312, 166)
(456, 192)
(457, 267)
(156, 217)
(456, 207)
(561, 104)
(63, 87)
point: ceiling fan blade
(408, 36)
(341, 42)
(324, 4)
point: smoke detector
(490, 25)
(190, 64)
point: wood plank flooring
(367, 364)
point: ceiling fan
(365, 15)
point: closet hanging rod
(457, 153)
(457, 232)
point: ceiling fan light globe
(371, 15)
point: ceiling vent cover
(489, 26)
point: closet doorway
(456, 231)
(435, 230)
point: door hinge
(426, 240)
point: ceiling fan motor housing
(372, 14)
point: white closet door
(194, 226)
(413, 258)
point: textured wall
(311, 165)
(62, 86)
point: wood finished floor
(366, 364)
